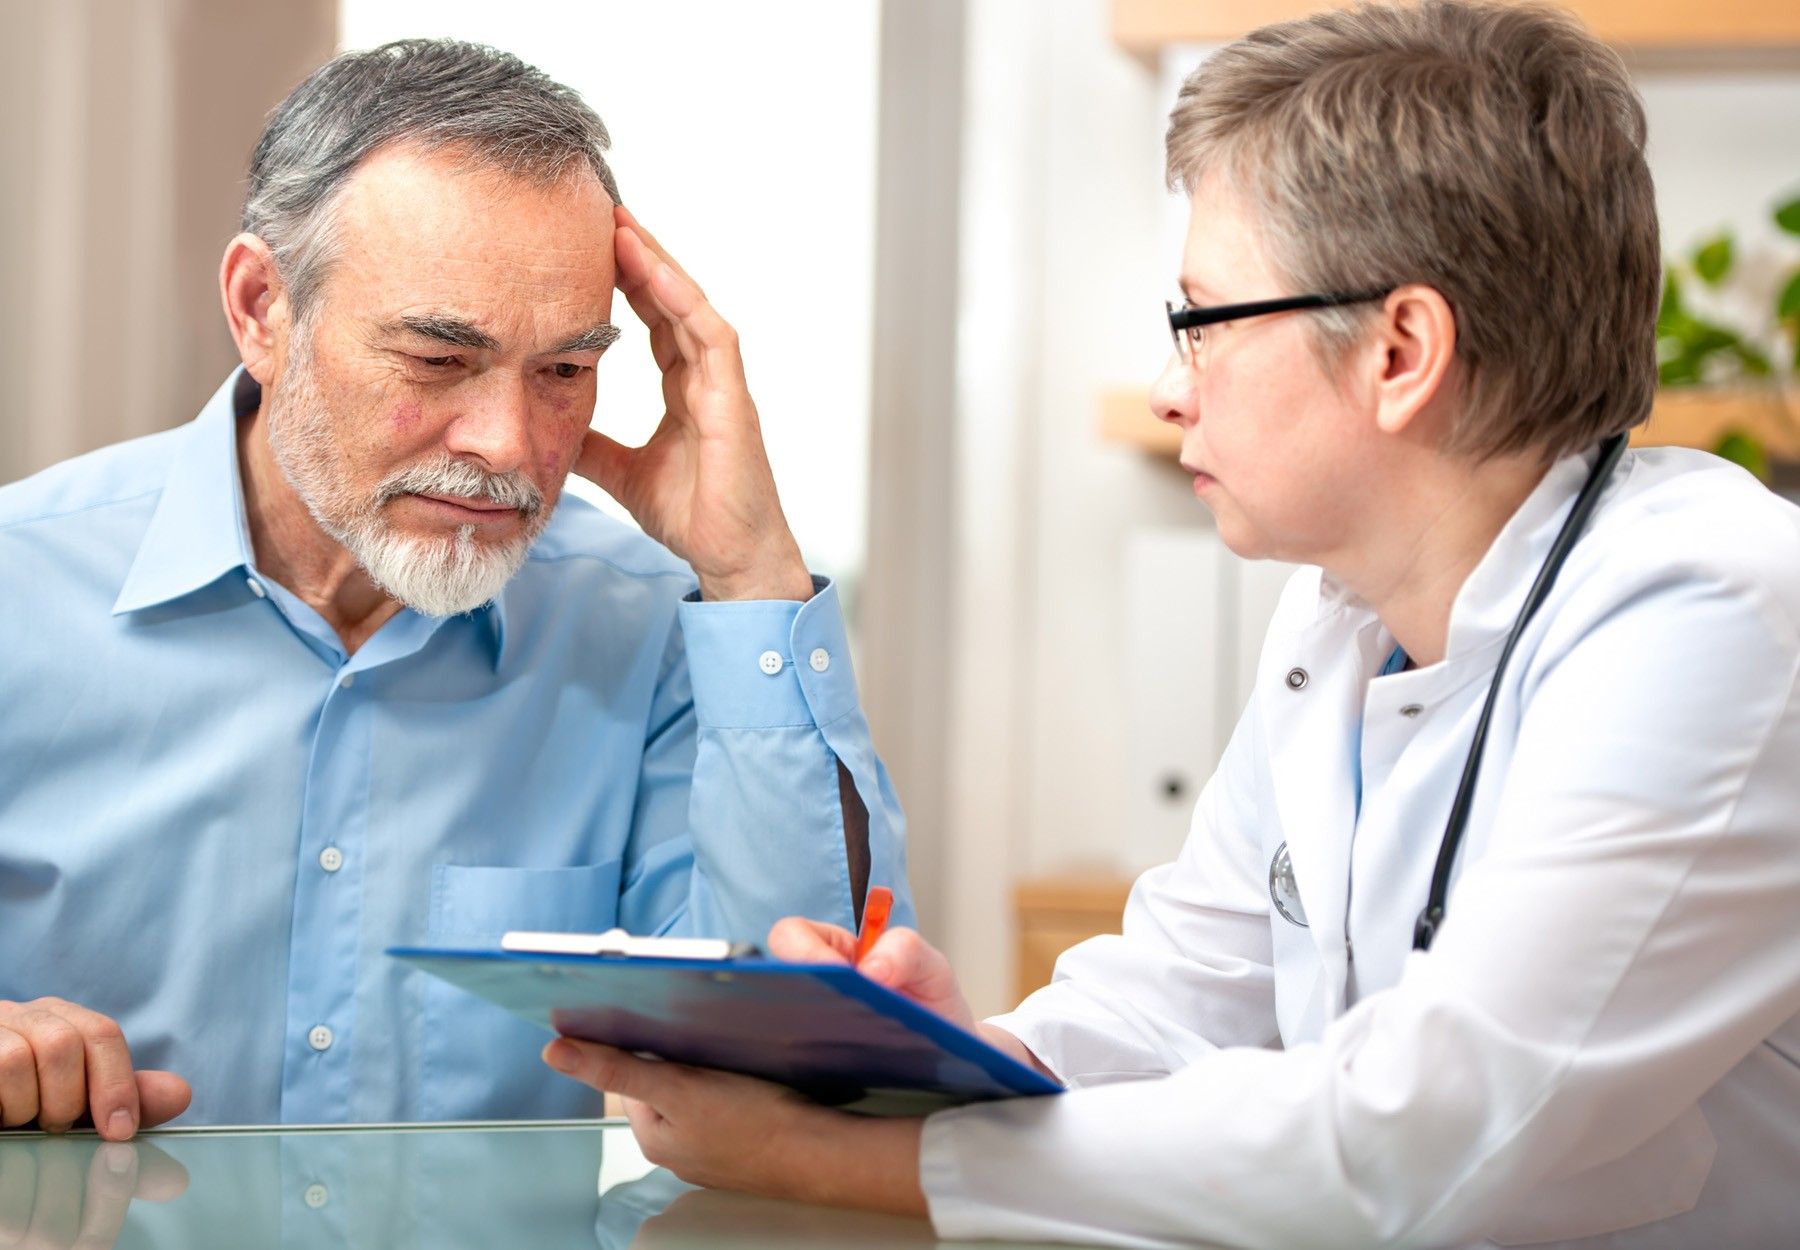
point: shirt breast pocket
(479, 1061)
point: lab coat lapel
(1312, 725)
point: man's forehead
(438, 206)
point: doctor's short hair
(1494, 152)
(487, 106)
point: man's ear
(256, 305)
(1416, 342)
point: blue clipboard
(822, 1029)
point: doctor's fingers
(802, 941)
(82, 1063)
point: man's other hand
(60, 1062)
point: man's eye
(566, 371)
(436, 362)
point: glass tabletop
(543, 1184)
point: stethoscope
(1283, 890)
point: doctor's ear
(256, 305)
(1415, 345)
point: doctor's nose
(1172, 396)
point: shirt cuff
(769, 663)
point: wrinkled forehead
(419, 227)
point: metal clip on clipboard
(619, 944)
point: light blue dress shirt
(213, 821)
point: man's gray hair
(436, 94)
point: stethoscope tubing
(1437, 901)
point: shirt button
(319, 1038)
(346, 681)
(1411, 710)
(820, 659)
(316, 1196)
(256, 587)
(1296, 679)
(769, 662)
(331, 859)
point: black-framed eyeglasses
(1187, 324)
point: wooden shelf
(1145, 27)
(1054, 913)
(1682, 418)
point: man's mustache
(449, 476)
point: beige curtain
(125, 128)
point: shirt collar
(198, 532)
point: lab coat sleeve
(1627, 938)
(1193, 969)
(749, 778)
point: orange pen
(874, 921)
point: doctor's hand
(73, 1193)
(702, 485)
(900, 959)
(60, 1063)
(733, 1132)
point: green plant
(1694, 349)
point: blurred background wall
(941, 228)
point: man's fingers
(659, 291)
(60, 1054)
(802, 941)
(18, 1080)
(623, 216)
(161, 1097)
(112, 1093)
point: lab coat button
(769, 662)
(1296, 679)
(316, 1196)
(1411, 710)
(256, 587)
(320, 1038)
(820, 659)
(331, 859)
(347, 680)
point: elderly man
(329, 669)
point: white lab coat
(1605, 1034)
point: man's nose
(1172, 395)
(494, 425)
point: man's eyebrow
(596, 339)
(453, 331)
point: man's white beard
(433, 576)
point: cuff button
(820, 659)
(769, 662)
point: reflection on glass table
(391, 1186)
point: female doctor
(1488, 926)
